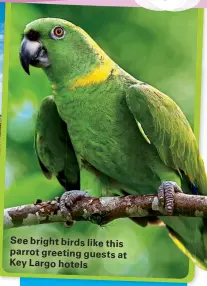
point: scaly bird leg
(166, 193)
(67, 201)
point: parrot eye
(57, 33)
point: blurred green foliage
(156, 47)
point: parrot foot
(166, 193)
(67, 201)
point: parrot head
(60, 48)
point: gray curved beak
(33, 53)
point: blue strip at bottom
(63, 282)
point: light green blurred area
(155, 47)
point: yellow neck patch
(98, 75)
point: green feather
(142, 132)
(169, 130)
(53, 146)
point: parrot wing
(54, 148)
(163, 124)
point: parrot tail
(190, 236)
(190, 233)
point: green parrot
(127, 136)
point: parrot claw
(67, 201)
(166, 194)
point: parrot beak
(33, 53)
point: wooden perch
(103, 210)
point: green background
(155, 47)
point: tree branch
(103, 210)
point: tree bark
(103, 210)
